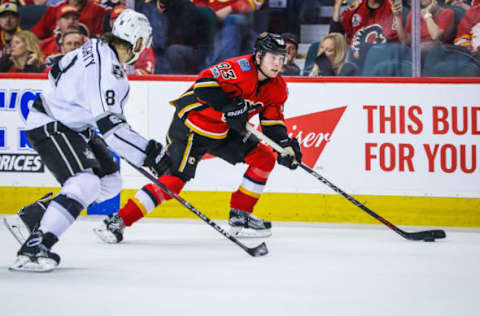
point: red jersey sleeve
(470, 20)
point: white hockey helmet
(130, 26)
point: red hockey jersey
(468, 31)
(365, 25)
(237, 77)
(145, 64)
(92, 17)
(237, 5)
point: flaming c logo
(313, 131)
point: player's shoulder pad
(225, 70)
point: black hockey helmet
(270, 42)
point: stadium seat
(392, 60)
(30, 14)
(310, 59)
(450, 61)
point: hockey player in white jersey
(89, 90)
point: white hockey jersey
(89, 89)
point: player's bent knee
(173, 183)
(110, 186)
(83, 187)
(262, 157)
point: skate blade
(15, 230)
(105, 235)
(240, 232)
(24, 264)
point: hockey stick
(15, 231)
(257, 251)
(427, 235)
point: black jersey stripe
(127, 142)
(100, 76)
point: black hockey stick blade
(427, 235)
(260, 250)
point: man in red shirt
(67, 17)
(71, 39)
(211, 117)
(468, 32)
(92, 16)
(436, 25)
(9, 22)
(365, 22)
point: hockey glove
(294, 153)
(237, 118)
(157, 159)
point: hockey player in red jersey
(211, 117)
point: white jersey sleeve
(90, 89)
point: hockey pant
(84, 167)
(186, 149)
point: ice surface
(184, 267)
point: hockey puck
(429, 239)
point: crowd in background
(365, 38)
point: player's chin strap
(427, 235)
(260, 68)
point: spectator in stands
(25, 56)
(72, 38)
(67, 17)
(468, 32)
(234, 27)
(9, 22)
(290, 68)
(158, 20)
(26, 2)
(365, 22)
(186, 41)
(459, 3)
(110, 4)
(92, 17)
(436, 24)
(146, 61)
(331, 57)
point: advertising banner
(414, 139)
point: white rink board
(437, 161)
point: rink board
(409, 149)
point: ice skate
(28, 218)
(35, 256)
(245, 224)
(112, 230)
